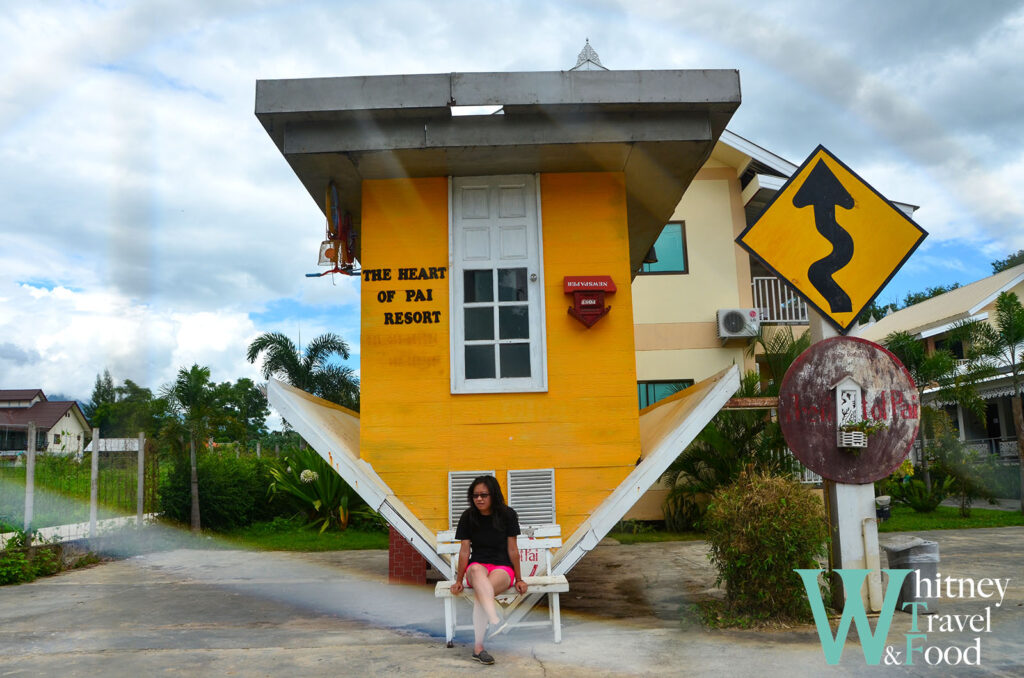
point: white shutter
(458, 485)
(532, 494)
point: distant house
(932, 320)
(61, 426)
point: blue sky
(150, 223)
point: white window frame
(538, 381)
(511, 485)
(459, 476)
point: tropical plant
(775, 349)
(963, 468)
(1002, 344)
(951, 382)
(191, 396)
(920, 497)
(732, 441)
(309, 369)
(327, 500)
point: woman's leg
(484, 606)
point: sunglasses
(481, 495)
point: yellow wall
(414, 431)
(676, 328)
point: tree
(938, 370)
(1000, 265)
(103, 392)
(243, 409)
(929, 292)
(192, 397)
(309, 369)
(1002, 344)
(874, 311)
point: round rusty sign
(875, 394)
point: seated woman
(489, 557)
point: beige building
(697, 307)
(932, 320)
(61, 426)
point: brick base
(405, 564)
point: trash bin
(921, 556)
(882, 507)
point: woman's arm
(460, 571)
(513, 554)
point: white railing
(778, 303)
(70, 532)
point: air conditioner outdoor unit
(738, 322)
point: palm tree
(1002, 344)
(938, 370)
(191, 395)
(309, 369)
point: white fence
(60, 533)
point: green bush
(14, 567)
(760, 528)
(915, 494)
(232, 492)
(20, 563)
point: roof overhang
(657, 127)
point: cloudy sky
(148, 221)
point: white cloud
(149, 221)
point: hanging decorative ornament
(338, 250)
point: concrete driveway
(222, 612)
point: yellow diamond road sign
(832, 237)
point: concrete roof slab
(657, 127)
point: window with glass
(497, 328)
(669, 250)
(650, 392)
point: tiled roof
(958, 304)
(43, 414)
(20, 394)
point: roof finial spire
(587, 60)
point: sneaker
(484, 657)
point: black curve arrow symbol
(822, 190)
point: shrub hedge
(759, 529)
(232, 492)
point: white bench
(536, 545)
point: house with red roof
(61, 426)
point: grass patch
(649, 537)
(905, 519)
(286, 535)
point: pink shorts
(492, 568)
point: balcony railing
(778, 303)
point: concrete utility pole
(140, 497)
(30, 475)
(94, 483)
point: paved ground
(193, 612)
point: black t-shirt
(487, 543)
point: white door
(497, 286)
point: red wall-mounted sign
(588, 296)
